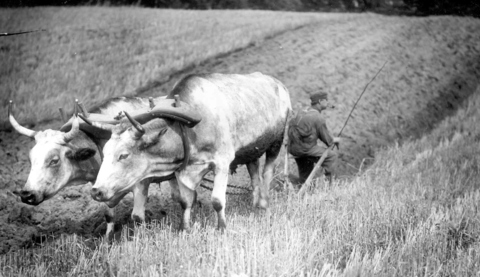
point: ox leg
(109, 218)
(187, 198)
(270, 157)
(110, 215)
(254, 171)
(140, 198)
(219, 196)
(175, 192)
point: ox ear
(162, 132)
(81, 154)
(152, 139)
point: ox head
(148, 145)
(58, 159)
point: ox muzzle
(29, 197)
(99, 195)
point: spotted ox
(60, 159)
(235, 119)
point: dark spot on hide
(183, 204)
(108, 218)
(81, 154)
(217, 206)
(270, 141)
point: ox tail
(284, 95)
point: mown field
(414, 212)
(405, 202)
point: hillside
(429, 75)
(93, 53)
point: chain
(247, 190)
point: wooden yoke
(171, 109)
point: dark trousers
(307, 163)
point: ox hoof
(184, 228)
(137, 219)
(263, 204)
(221, 228)
(186, 231)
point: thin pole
(324, 155)
(364, 89)
(18, 33)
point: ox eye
(122, 157)
(53, 162)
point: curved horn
(62, 115)
(103, 126)
(139, 131)
(74, 131)
(82, 109)
(19, 128)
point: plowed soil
(433, 65)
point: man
(303, 132)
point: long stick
(364, 89)
(324, 155)
(318, 164)
(308, 182)
(19, 33)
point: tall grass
(414, 212)
(93, 53)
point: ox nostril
(27, 196)
(96, 193)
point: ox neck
(186, 146)
(87, 171)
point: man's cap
(318, 96)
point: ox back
(115, 105)
(251, 110)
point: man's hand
(336, 141)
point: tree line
(412, 7)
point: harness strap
(186, 157)
(158, 180)
(186, 147)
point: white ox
(60, 159)
(242, 118)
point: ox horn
(74, 131)
(139, 131)
(62, 115)
(19, 128)
(103, 126)
(82, 109)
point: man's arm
(323, 133)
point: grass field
(414, 212)
(93, 53)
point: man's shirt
(303, 132)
